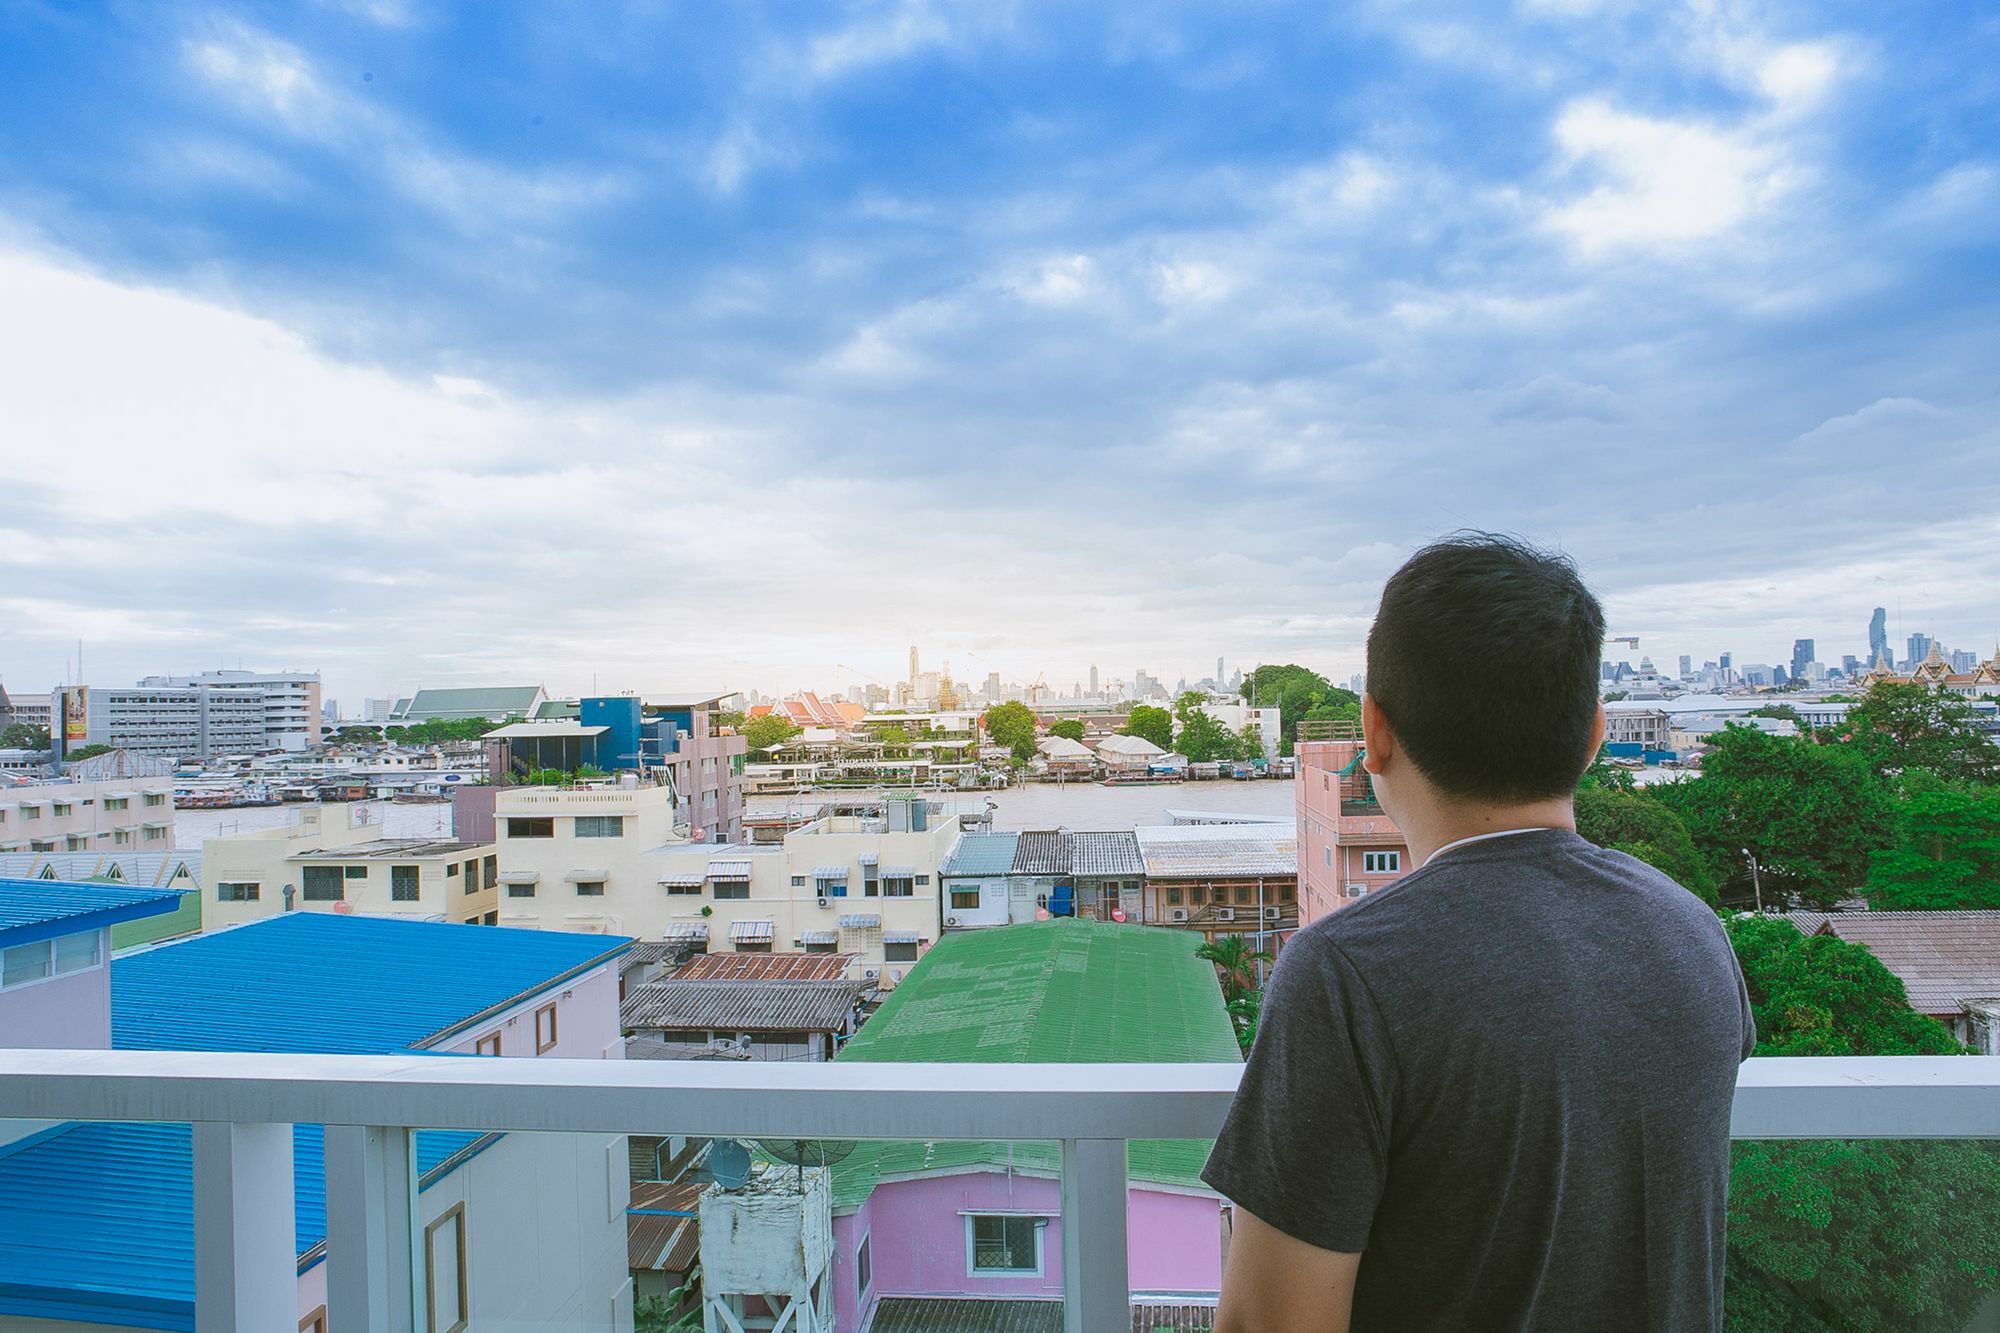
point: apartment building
(335, 859)
(114, 813)
(289, 700)
(608, 859)
(1347, 846)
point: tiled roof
(1105, 854)
(495, 703)
(1203, 851)
(337, 985)
(935, 1314)
(41, 909)
(1942, 958)
(1042, 853)
(138, 869)
(981, 854)
(1136, 747)
(765, 967)
(741, 1006)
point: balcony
(242, 1107)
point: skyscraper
(913, 666)
(1802, 653)
(1093, 678)
(1878, 636)
(1920, 647)
(1687, 666)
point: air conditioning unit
(1272, 913)
(871, 974)
(1225, 914)
(822, 900)
(951, 921)
(1177, 914)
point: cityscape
(677, 669)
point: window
(62, 808)
(489, 1044)
(545, 1029)
(905, 952)
(403, 884)
(590, 888)
(1003, 1244)
(864, 1270)
(531, 828)
(314, 1322)
(798, 881)
(492, 871)
(471, 876)
(964, 898)
(31, 812)
(1242, 895)
(1287, 892)
(74, 953)
(870, 886)
(754, 946)
(25, 963)
(117, 803)
(1173, 897)
(451, 870)
(732, 888)
(1329, 856)
(237, 891)
(1381, 863)
(923, 879)
(600, 826)
(155, 798)
(684, 889)
(324, 884)
(355, 872)
(153, 834)
(444, 1271)
(815, 946)
(896, 886)
(520, 890)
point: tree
(1012, 724)
(1634, 823)
(1820, 995)
(729, 718)
(24, 736)
(894, 740)
(1235, 964)
(88, 752)
(769, 731)
(355, 733)
(1250, 742)
(441, 731)
(1301, 695)
(1150, 723)
(1069, 729)
(1201, 737)
(1782, 713)
(1243, 1015)
(1900, 727)
(1810, 814)
(1947, 852)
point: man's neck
(1427, 831)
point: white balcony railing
(242, 1107)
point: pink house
(1348, 848)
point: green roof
(1050, 992)
(501, 702)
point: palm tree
(1235, 963)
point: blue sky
(745, 345)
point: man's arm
(1275, 1282)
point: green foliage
(679, 1311)
(440, 731)
(1235, 964)
(22, 736)
(1250, 742)
(1603, 773)
(1200, 737)
(1899, 727)
(88, 752)
(768, 731)
(548, 777)
(1244, 1012)
(1632, 822)
(731, 718)
(1615, 695)
(1811, 814)
(356, 733)
(1783, 713)
(894, 740)
(1012, 724)
(1820, 995)
(1947, 852)
(1300, 695)
(1150, 723)
(1069, 729)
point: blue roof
(58, 1188)
(336, 985)
(41, 909)
(981, 854)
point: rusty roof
(1942, 958)
(765, 967)
(661, 1231)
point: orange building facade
(1348, 848)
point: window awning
(868, 858)
(901, 937)
(830, 872)
(820, 937)
(686, 930)
(683, 881)
(859, 921)
(520, 877)
(899, 872)
(729, 870)
(751, 932)
(587, 876)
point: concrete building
(290, 700)
(1222, 879)
(55, 947)
(113, 813)
(334, 859)
(1347, 847)
(766, 1020)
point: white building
(334, 859)
(113, 813)
(290, 700)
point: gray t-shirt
(1506, 1082)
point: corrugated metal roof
(899, 872)
(829, 872)
(742, 1006)
(981, 854)
(820, 937)
(729, 870)
(1042, 853)
(684, 881)
(1219, 851)
(686, 930)
(1099, 854)
(1137, 747)
(769, 966)
(314, 981)
(496, 703)
(901, 937)
(41, 909)
(936, 1314)
(662, 1231)
(1942, 958)
(860, 920)
(752, 932)
(136, 869)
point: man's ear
(1597, 730)
(1377, 740)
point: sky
(630, 345)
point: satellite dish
(729, 1163)
(343, 907)
(1117, 914)
(803, 1153)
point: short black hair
(1485, 658)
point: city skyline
(1185, 340)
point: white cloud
(1192, 282)
(1062, 281)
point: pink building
(1348, 848)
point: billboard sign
(75, 715)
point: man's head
(1483, 663)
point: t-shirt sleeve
(1749, 1018)
(1306, 1145)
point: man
(1495, 1095)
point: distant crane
(1632, 639)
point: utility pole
(1756, 880)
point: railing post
(370, 1201)
(1097, 1289)
(246, 1257)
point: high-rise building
(1727, 660)
(1687, 666)
(1218, 672)
(913, 667)
(1093, 678)
(1920, 648)
(1850, 665)
(1878, 636)
(1802, 653)
(1964, 661)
